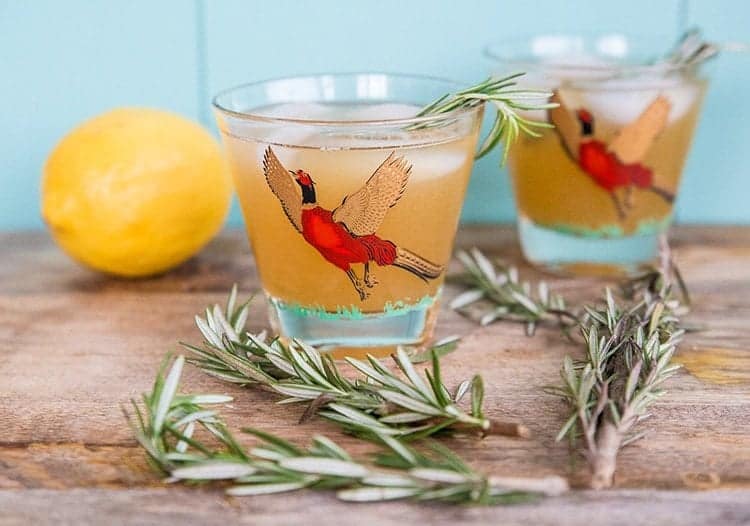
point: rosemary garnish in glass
(508, 100)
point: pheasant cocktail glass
(351, 202)
(594, 193)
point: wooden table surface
(75, 345)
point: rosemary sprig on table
(509, 297)
(166, 428)
(508, 100)
(629, 349)
(379, 402)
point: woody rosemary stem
(511, 429)
(629, 344)
(165, 425)
(629, 348)
(410, 405)
(603, 459)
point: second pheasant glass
(594, 193)
(351, 203)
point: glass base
(353, 333)
(570, 254)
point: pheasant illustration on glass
(618, 164)
(347, 235)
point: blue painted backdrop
(65, 61)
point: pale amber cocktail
(595, 193)
(351, 205)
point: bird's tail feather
(664, 194)
(417, 265)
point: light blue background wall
(64, 61)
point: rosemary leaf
(508, 102)
(629, 348)
(499, 293)
(164, 429)
(380, 401)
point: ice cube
(254, 131)
(384, 111)
(309, 111)
(340, 136)
(597, 81)
(339, 112)
(344, 140)
(622, 101)
(436, 161)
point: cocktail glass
(594, 194)
(351, 202)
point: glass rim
(494, 51)
(425, 119)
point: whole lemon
(135, 192)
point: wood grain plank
(209, 508)
(71, 465)
(75, 346)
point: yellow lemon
(135, 192)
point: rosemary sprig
(380, 402)
(509, 297)
(508, 100)
(166, 429)
(628, 357)
(629, 348)
(691, 50)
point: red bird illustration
(618, 164)
(346, 235)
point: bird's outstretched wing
(284, 187)
(634, 140)
(566, 125)
(363, 211)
